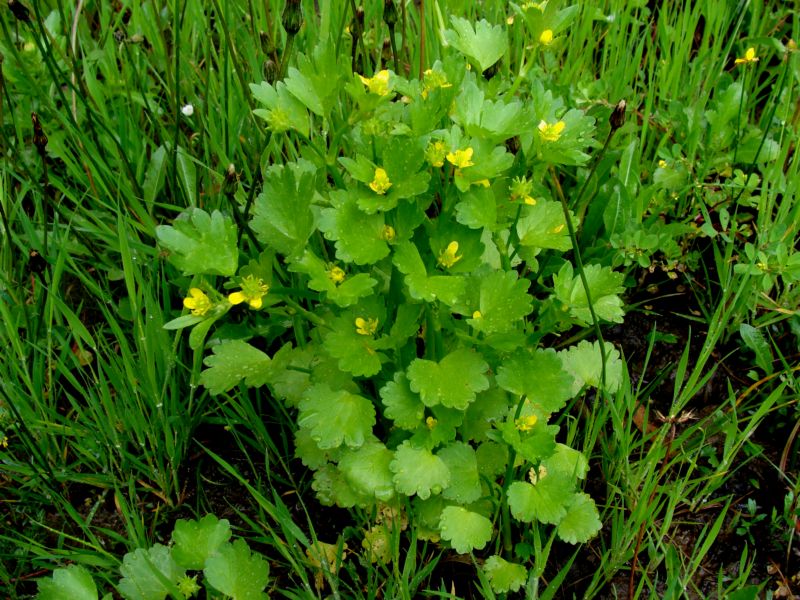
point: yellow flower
(433, 79)
(431, 422)
(522, 188)
(380, 184)
(547, 37)
(435, 152)
(662, 164)
(749, 57)
(379, 84)
(551, 133)
(477, 315)
(461, 158)
(366, 326)
(197, 302)
(4, 441)
(447, 257)
(253, 290)
(336, 274)
(388, 234)
(526, 423)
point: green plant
(395, 302)
(229, 568)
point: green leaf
(533, 445)
(336, 417)
(188, 175)
(504, 300)
(754, 339)
(465, 484)
(367, 470)
(489, 407)
(546, 501)
(418, 471)
(332, 488)
(233, 361)
(543, 226)
(355, 353)
(581, 522)
(317, 80)
(452, 382)
(154, 177)
(567, 462)
(237, 572)
(448, 289)
(282, 216)
(539, 375)
(284, 112)
(484, 45)
(359, 237)
(149, 574)
(478, 208)
(343, 294)
(200, 243)
(73, 582)
(584, 363)
(494, 121)
(194, 541)
(604, 287)
(402, 405)
(503, 575)
(492, 458)
(465, 530)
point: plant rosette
(400, 319)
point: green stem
(579, 264)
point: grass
(100, 405)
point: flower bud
(617, 118)
(292, 17)
(389, 13)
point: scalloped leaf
(344, 294)
(465, 483)
(359, 237)
(484, 44)
(453, 382)
(448, 289)
(282, 216)
(605, 286)
(233, 361)
(402, 405)
(200, 243)
(504, 300)
(238, 572)
(355, 353)
(504, 576)
(582, 521)
(584, 363)
(146, 574)
(336, 417)
(194, 541)
(546, 501)
(283, 111)
(418, 471)
(543, 226)
(73, 582)
(367, 470)
(540, 376)
(465, 530)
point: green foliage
(464, 529)
(504, 576)
(484, 44)
(200, 243)
(73, 581)
(158, 572)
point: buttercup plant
(406, 324)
